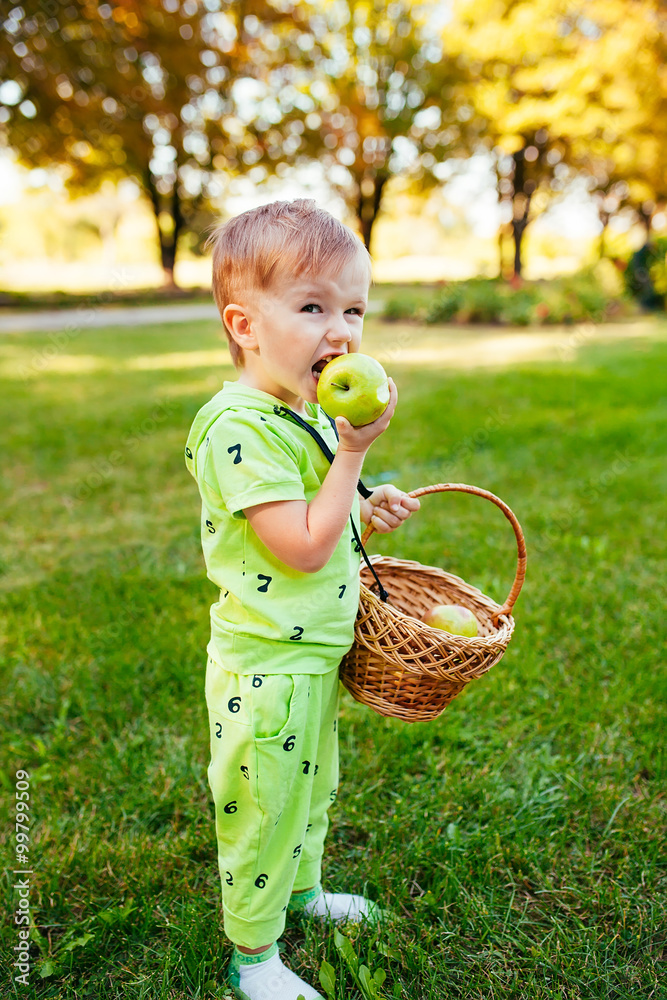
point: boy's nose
(339, 332)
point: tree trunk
(504, 234)
(646, 215)
(168, 241)
(602, 246)
(368, 205)
(518, 229)
(521, 198)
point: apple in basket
(452, 618)
(353, 386)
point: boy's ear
(237, 321)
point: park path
(88, 317)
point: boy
(291, 283)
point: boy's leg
(264, 737)
(324, 771)
(308, 895)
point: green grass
(518, 840)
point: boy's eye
(356, 310)
(311, 307)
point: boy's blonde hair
(260, 246)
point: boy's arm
(304, 535)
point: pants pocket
(270, 703)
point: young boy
(291, 283)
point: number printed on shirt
(237, 457)
(234, 705)
(298, 632)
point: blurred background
(460, 139)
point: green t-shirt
(270, 618)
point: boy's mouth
(320, 365)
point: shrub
(446, 304)
(398, 308)
(521, 309)
(646, 274)
(572, 299)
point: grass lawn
(518, 840)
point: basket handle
(520, 576)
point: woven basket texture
(403, 668)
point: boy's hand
(359, 439)
(387, 508)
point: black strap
(284, 411)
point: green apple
(452, 618)
(353, 386)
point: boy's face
(290, 329)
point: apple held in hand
(353, 386)
(452, 618)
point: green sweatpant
(273, 775)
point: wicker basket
(400, 666)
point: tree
(626, 160)
(542, 89)
(357, 94)
(136, 88)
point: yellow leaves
(120, 16)
(509, 143)
(520, 34)
(80, 149)
(590, 72)
(491, 99)
(640, 190)
(540, 202)
(63, 123)
(369, 124)
(562, 113)
(618, 95)
(76, 32)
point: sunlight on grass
(87, 364)
(446, 347)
